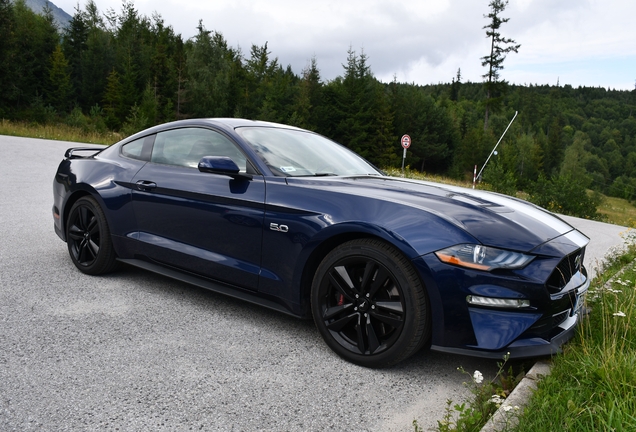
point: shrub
(567, 195)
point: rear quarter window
(133, 149)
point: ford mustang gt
(290, 220)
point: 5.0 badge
(277, 227)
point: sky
(576, 42)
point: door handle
(145, 185)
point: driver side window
(185, 147)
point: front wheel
(88, 238)
(369, 304)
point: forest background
(124, 72)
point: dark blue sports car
(288, 219)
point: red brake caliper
(340, 300)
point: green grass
(592, 386)
(618, 211)
(59, 132)
(412, 174)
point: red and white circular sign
(406, 141)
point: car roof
(226, 123)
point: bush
(39, 112)
(567, 195)
(77, 119)
(500, 180)
(623, 187)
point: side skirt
(212, 286)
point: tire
(369, 304)
(88, 238)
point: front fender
(316, 223)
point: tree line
(123, 71)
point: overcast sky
(577, 42)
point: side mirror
(222, 165)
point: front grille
(563, 272)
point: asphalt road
(136, 351)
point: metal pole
(495, 147)
(403, 158)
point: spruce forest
(122, 71)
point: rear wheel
(88, 238)
(369, 303)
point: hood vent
(475, 201)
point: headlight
(482, 257)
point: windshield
(295, 153)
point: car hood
(493, 219)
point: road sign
(406, 141)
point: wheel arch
(337, 237)
(72, 199)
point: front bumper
(493, 332)
(530, 346)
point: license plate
(580, 301)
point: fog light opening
(497, 302)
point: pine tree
(35, 38)
(7, 24)
(308, 101)
(74, 45)
(499, 47)
(362, 112)
(554, 148)
(113, 101)
(260, 74)
(97, 61)
(209, 73)
(60, 87)
(455, 84)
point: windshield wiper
(318, 174)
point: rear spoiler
(70, 153)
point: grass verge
(592, 386)
(60, 132)
(619, 211)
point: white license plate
(580, 301)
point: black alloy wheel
(88, 238)
(369, 304)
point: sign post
(406, 143)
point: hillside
(61, 17)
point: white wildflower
(507, 408)
(620, 314)
(496, 399)
(478, 377)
